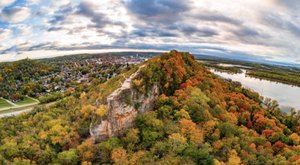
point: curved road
(25, 110)
(15, 112)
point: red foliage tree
(278, 146)
(268, 132)
(249, 124)
(183, 85)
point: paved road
(19, 106)
(25, 110)
(16, 112)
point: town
(86, 71)
(48, 80)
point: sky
(260, 29)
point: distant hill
(247, 59)
(174, 112)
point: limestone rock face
(123, 107)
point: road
(15, 112)
(14, 106)
(25, 110)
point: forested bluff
(195, 117)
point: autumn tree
(233, 158)
(119, 156)
(131, 137)
(87, 150)
(68, 157)
(87, 110)
(101, 111)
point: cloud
(62, 3)
(158, 10)
(269, 28)
(279, 21)
(292, 4)
(100, 20)
(153, 32)
(4, 3)
(213, 16)
(15, 14)
(31, 2)
(193, 30)
(5, 34)
(87, 9)
(23, 30)
(61, 14)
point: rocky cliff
(123, 106)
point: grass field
(4, 104)
(26, 100)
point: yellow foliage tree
(218, 144)
(43, 134)
(190, 130)
(295, 138)
(86, 163)
(137, 82)
(119, 156)
(87, 110)
(101, 111)
(176, 137)
(217, 162)
(87, 150)
(252, 147)
(182, 114)
(209, 126)
(135, 158)
(233, 158)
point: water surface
(287, 95)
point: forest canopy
(198, 118)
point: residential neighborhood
(47, 80)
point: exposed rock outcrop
(124, 105)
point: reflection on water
(233, 65)
(287, 95)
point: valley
(149, 82)
(169, 108)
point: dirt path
(125, 85)
(14, 105)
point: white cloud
(33, 1)
(242, 26)
(16, 14)
(5, 34)
(61, 3)
(4, 3)
(23, 30)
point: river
(287, 95)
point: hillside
(190, 116)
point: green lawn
(4, 104)
(26, 100)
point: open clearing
(4, 104)
(8, 108)
(26, 100)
